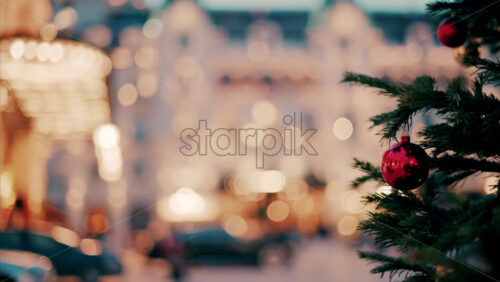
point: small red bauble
(452, 32)
(405, 165)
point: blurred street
(315, 261)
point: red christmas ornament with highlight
(452, 32)
(405, 165)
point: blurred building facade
(175, 64)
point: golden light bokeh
(65, 236)
(351, 201)
(147, 84)
(90, 247)
(127, 95)
(270, 181)
(343, 128)
(7, 193)
(347, 225)
(108, 152)
(107, 136)
(277, 211)
(235, 225)
(186, 201)
(57, 68)
(264, 112)
(303, 206)
(152, 28)
(146, 58)
(17, 49)
(386, 189)
(48, 32)
(187, 205)
(66, 18)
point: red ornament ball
(452, 32)
(405, 165)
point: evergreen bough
(441, 232)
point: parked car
(216, 246)
(25, 266)
(67, 260)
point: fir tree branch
(437, 222)
(488, 71)
(446, 179)
(399, 203)
(470, 220)
(464, 7)
(419, 278)
(387, 88)
(454, 163)
(396, 266)
(463, 138)
(371, 173)
(412, 98)
(459, 106)
(403, 230)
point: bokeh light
(343, 128)
(146, 58)
(386, 189)
(271, 181)
(48, 32)
(7, 193)
(235, 225)
(56, 52)
(186, 201)
(152, 28)
(107, 136)
(127, 94)
(30, 50)
(347, 225)
(303, 206)
(277, 211)
(65, 236)
(90, 247)
(17, 49)
(264, 112)
(351, 201)
(42, 51)
(147, 84)
(66, 18)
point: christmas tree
(441, 232)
